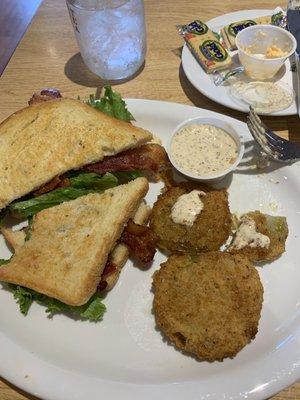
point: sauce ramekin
(218, 123)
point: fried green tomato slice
(275, 228)
(209, 231)
(208, 304)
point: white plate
(124, 356)
(220, 94)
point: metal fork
(277, 148)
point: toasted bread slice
(15, 239)
(118, 256)
(50, 138)
(69, 244)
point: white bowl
(219, 124)
(260, 38)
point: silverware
(277, 148)
(220, 77)
(293, 24)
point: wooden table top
(48, 57)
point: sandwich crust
(47, 139)
(70, 243)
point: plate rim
(190, 77)
(48, 391)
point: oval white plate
(220, 94)
(124, 356)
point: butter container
(205, 46)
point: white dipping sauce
(203, 149)
(187, 207)
(246, 235)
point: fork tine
(272, 137)
(273, 153)
(264, 139)
(258, 138)
(278, 148)
(273, 141)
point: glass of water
(111, 35)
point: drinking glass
(111, 35)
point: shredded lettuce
(112, 104)
(93, 310)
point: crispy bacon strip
(56, 182)
(45, 95)
(149, 157)
(141, 241)
(109, 269)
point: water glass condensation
(111, 35)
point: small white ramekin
(261, 37)
(219, 123)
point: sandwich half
(48, 139)
(70, 244)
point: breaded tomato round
(275, 228)
(209, 231)
(208, 304)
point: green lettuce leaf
(28, 208)
(112, 104)
(93, 310)
(126, 176)
(24, 297)
(3, 214)
(80, 185)
(3, 262)
(91, 180)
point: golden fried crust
(47, 139)
(208, 304)
(210, 230)
(272, 226)
(69, 243)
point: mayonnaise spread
(265, 97)
(203, 149)
(187, 207)
(246, 235)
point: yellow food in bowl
(274, 51)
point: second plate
(203, 82)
